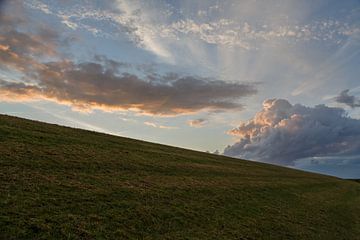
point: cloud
(155, 27)
(94, 85)
(102, 83)
(17, 50)
(23, 43)
(283, 133)
(200, 122)
(347, 99)
(154, 125)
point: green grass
(63, 183)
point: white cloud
(143, 27)
(69, 24)
(154, 125)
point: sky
(271, 81)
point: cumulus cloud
(347, 99)
(200, 122)
(283, 133)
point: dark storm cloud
(282, 133)
(347, 99)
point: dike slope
(63, 183)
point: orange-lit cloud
(94, 86)
(200, 122)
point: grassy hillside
(63, 183)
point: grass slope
(63, 183)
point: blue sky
(194, 74)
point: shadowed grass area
(63, 183)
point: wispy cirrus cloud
(154, 28)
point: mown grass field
(63, 183)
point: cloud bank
(283, 133)
(93, 85)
